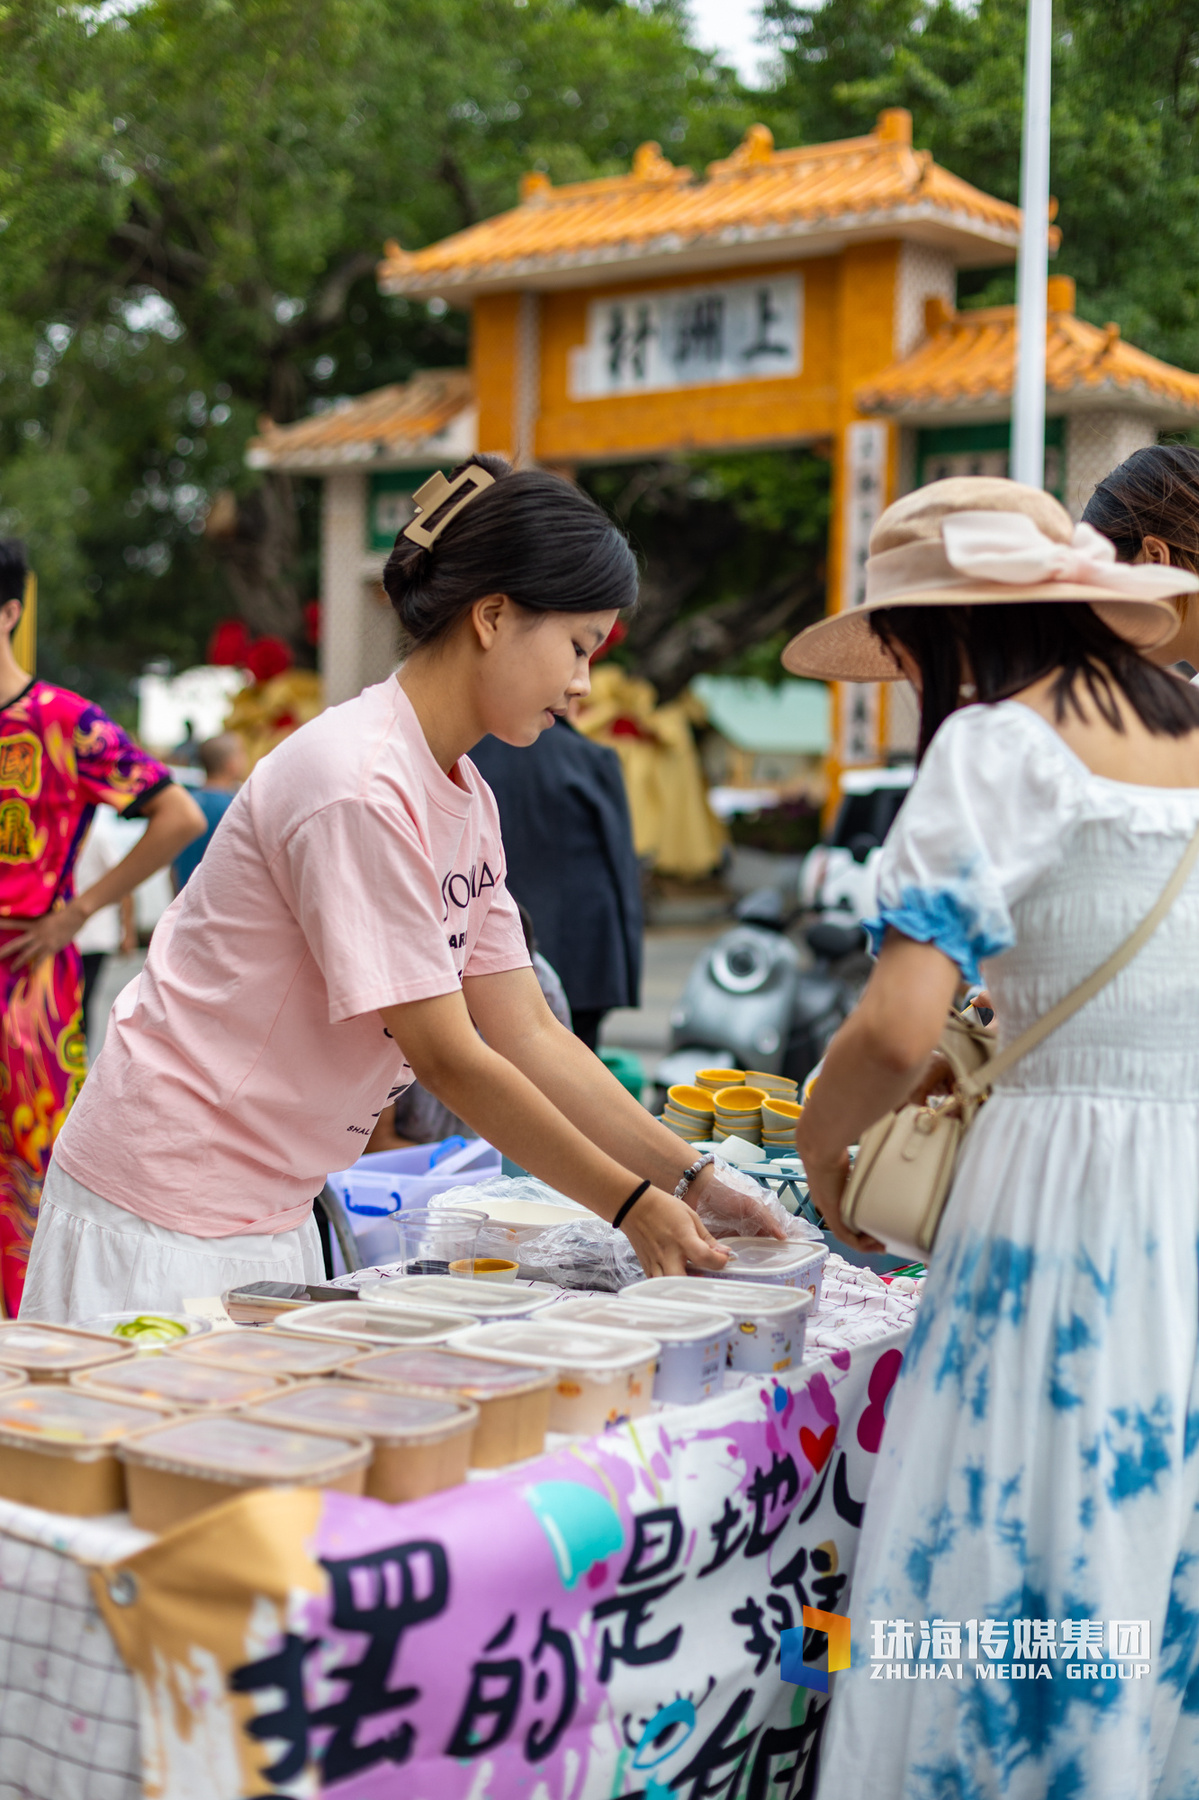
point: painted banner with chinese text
(602, 1622)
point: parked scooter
(752, 1001)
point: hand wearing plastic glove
(732, 1204)
(669, 1238)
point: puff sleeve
(987, 816)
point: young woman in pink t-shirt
(349, 930)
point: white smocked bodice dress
(1041, 1458)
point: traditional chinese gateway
(801, 296)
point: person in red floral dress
(60, 757)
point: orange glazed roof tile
(757, 203)
(966, 368)
(431, 416)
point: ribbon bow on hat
(1010, 547)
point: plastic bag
(727, 1205)
(583, 1254)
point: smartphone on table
(261, 1302)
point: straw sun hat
(977, 540)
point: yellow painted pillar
(863, 483)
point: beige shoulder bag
(904, 1169)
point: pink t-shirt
(248, 1058)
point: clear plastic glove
(668, 1235)
(732, 1204)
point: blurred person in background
(564, 816)
(225, 765)
(1149, 508)
(60, 757)
(419, 1117)
(111, 930)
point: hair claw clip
(432, 496)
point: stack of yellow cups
(688, 1112)
(778, 1123)
(739, 1113)
(776, 1087)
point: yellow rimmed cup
(715, 1079)
(779, 1115)
(691, 1102)
(779, 1087)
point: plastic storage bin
(513, 1401)
(180, 1382)
(604, 1377)
(186, 1465)
(478, 1299)
(377, 1186)
(793, 1264)
(420, 1442)
(58, 1448)
(374, 1327)
(56, 1352)
(769, 1323)
(694, 1340)
(269, 1352)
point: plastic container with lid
(479, 1299)
(58, 1448)
(420, 1442)
(270, 1352)
(769, 1322)
(604, 1377)
(186, 1465)
(694, 1340)
(373, 1327)
(12, 1378)
(513, 1401)
(796, 1263)
(181, 1383)
(56, 1352)
(146, 1331)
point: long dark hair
(533, 536)
(1001, 650)
(1153, 493)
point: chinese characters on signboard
(864, 499)
(691, 337)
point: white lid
(480, 1300)
(63, 1418)
(12, 1378)
(669, 1320)
(747, 1299)
(179, 1381)
(374, 1412)
(353, 1322)
(478, 1377)
(260, 1347)
(57, 1349)
(247, 1452)
(546, 1344)
(754, 1255)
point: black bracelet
(629, 1204)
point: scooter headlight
(740, 967)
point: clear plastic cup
(439, 1241)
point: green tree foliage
(1124, 161)
(193, 198)
(193, 195)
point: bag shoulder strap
(978, 1083)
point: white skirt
(89, 1257)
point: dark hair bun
(533, 536)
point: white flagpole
(1028, 400)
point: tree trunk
(259, 555)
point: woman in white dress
(1029, 1564)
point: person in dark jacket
(569, 845)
